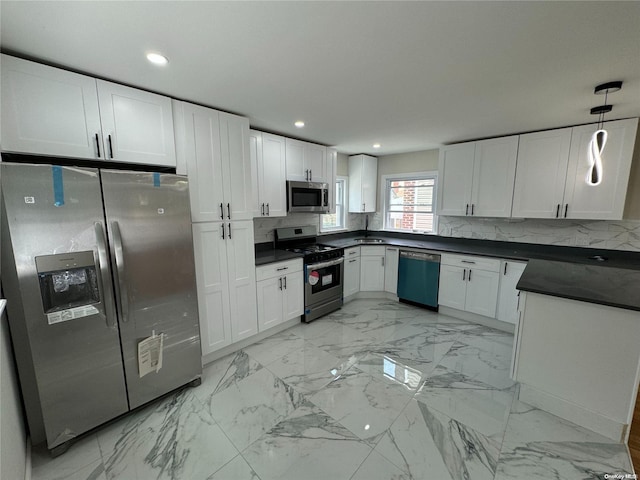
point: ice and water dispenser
(68, 285)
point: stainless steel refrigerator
(94, 262)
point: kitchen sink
(370, 240)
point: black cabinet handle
(221, 212)
(280, 280)
(472, 205)
(285, 283)
(98, 144)
(263, 209)
(557, 210)
(469, 269)
(229, 231)
(282, 268)
(566, 207)
(310, 175)
(505, 267)
(466, 210)
(267, 209)
(351, 261)
(223, 231)
(464, 274)
(110, 146)
(228, 211)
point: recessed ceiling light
(157, 58)
(376, 145)
(299, 124)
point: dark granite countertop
(604, 285)
(265, 256)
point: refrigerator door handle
(121, 286)
(103, 270)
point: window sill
(406, 231)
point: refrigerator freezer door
(53, 257)
(149, 228)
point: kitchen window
(337, 221)
(409, 204)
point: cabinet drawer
(272, 270)
(464, 261)
(352, 252)
(371, 251)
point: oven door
(323, 281)
(308, 197)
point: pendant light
(599, 137)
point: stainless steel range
(323, 269)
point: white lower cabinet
(351, 271)
(372, 269)
(225, 276)
(510, 273)
(469, 284)
(392, 258)
(279, 292)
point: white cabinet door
(315, 159)
(293, 295)
(363, 180)
(482, 292)
(452, 288)
(204, 163)
(351, 276)
(372, 273)
(455, 179)
(242, 279)
(236, 167)
(332, 170)
(273, 176)
(296, 169)
(210, 253)
(49, 111)
(269, 295)
(494, 171)
(508, 295)
(137, 125)
(255, 154)
(391, 270)
(606, 200)
(541, 174)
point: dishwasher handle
(425, 257)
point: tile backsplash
(606, 234)
(263, 227)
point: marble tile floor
(375, 391)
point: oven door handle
(329, 263)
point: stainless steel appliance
(323, 270)
(418, 278)
(94, 262)
(307, 197)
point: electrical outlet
(582, 239)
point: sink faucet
(366, 225)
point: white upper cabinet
(268, 163)
(49, 111)
(476, 178)
(137, 126)
(455, 178)
(363, 181)
(606, 200)
(332, 170)
(306, 162)
(216, 147)
(494, 171)
(541, 174)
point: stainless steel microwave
(307, 197)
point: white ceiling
(410, 75)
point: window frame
(345, 207)
(384, 182)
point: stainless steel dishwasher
(418, 277)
